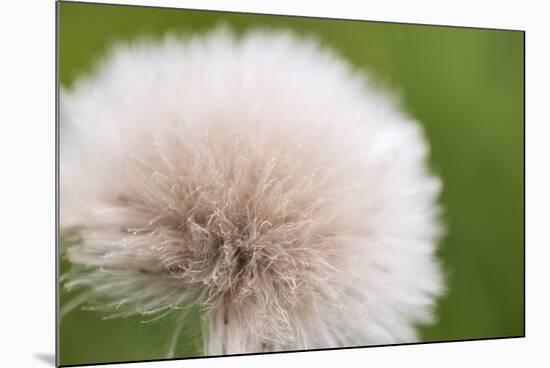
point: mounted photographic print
(235, 183)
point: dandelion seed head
(258, 176)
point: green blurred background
(464, 85)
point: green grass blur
(464, 85)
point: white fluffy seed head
(260, 177)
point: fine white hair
(260, 177)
